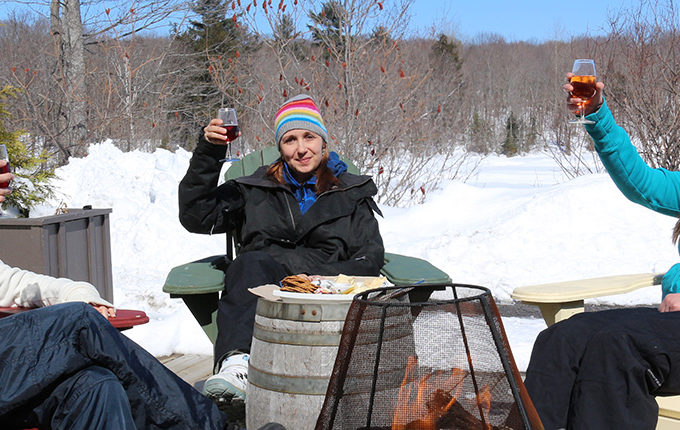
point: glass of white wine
(583, 81)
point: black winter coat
(338, 234)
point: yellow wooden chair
(560, 300)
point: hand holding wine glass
(5, 175)
(230, 123)
(217, 132)
(223, 130)
(573, 103)
(585, 93)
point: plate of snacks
(326, 288)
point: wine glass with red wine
(230, 122)
(4, 169)
(583, 81)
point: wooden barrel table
(291, 359)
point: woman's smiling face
(302, 151)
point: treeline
(404, 109)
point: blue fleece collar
(336, 165)
(305, 194)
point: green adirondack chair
(199, 283)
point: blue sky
(515, 20)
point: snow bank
(517, 221)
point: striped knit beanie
(299, 112)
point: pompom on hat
(299, 112)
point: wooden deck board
(192, 368)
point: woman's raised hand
(573, 102)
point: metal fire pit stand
(444, 363)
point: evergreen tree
(445, 50)
(31, 185)
(214, 41)
(327, 28)
(213, 33)
(446, 64)
(530, 134)
(288, 39)
(510, 145)
(479, 135)
(381, 36)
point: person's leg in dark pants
(235, 320)
(554, 364)
(599, 366)
(236, 308)
(93, 399)
(613, 388)
(39, 348)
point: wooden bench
(560, 300)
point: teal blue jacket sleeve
(656, 189)
(671, 280)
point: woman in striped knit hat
(303, 214)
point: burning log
(456, 417)
(434, 406)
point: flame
(484, 402)
(435, 394)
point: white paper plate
(289, 296)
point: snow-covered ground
(517, 221)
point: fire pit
(440, 364)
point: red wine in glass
(5, 168)
(232, 132)
(230, 122)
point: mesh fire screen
(444, 363)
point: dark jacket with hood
(338, 234)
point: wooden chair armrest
(128, 318)
(124, 319)
(405, 270)
(560, 300)
(558, 292)
(669, 406)
(197, 277)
